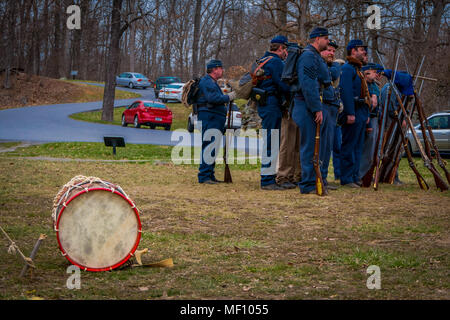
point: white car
(235, 120)
(171, 91)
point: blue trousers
(370, 140)
(305, 121)
(327, 139)
(270, 115)
(209, 120)
(351, 148)
(337, 142)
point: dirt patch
(31, 90)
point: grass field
(228, 241)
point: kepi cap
(214, 64)
(318, 32)
(355, 44)
(280, 39)
(333, 44)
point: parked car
(133, 80)
(150, 113)
(162, 82)
(440, 125)
(236, 119)
(172, 91)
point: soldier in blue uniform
(355, 116)
(270, 109)
(331, 105)
(337, 142)
(212, 110)
(372, 73)
(308, 110)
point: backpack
(251, 79)
(190, 91)
(289, 74)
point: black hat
(333, 44)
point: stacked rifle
(392, 141)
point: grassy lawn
(229, 241)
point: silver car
(133, 80)
(440, 125)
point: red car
(149, 113)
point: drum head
(98, 230)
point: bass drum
(97, 225)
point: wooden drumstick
(138, 254)
(33, 253)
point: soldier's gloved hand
(232, 95)
(341, 108)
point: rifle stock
(422, 183)
(390, 174)
(440, 184)
(383, 139)
(320, 189)
(368, 177)
(227, 174)
(421, 112)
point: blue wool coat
(310, 66)
(331, 94)
(274, 69)
(350, 87)
(210, 94)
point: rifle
(393, 161)
(391, 167)
(440, 184)
(367, 179)
(390, 174)
(320, 190)
(381, 152)
(227, 175)
(424, 119)
(391, 150)
(422, 183)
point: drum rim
(109, 268)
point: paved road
(51, 123)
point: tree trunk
(56, 51)
(11, 18)
(112, 62)
(435, 23)
(197, 22)
(282, 17)
(222, 18)
(132, 48)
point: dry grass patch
(31, 90)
